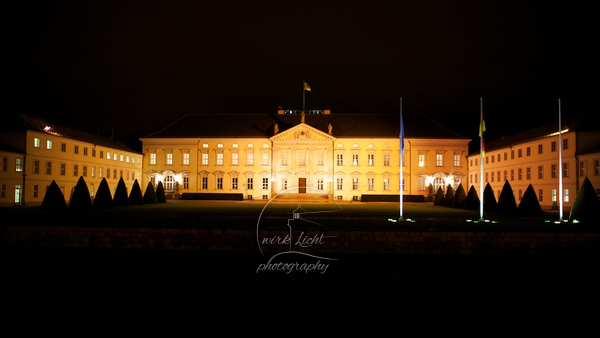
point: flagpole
(560, 165)
(401, 151)
(303, 94)
(481, 129)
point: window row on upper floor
(86, 151)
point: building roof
(344, 126)
(22, 122)
(578, 123)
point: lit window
(284, 158)
(18, 165)
(439, 159)
(354, 159)
(75, 170)
(36, 142)
(220, 159)
(355, 184)
(204, 158)
(93, 172)
(108, 156)
(371, 159)
(386, 160)
(115, 156)
(320, 159)
(302, 158)
(265, 159)
(234, 159)
(422, 160)
(250, 159)
(49, 144)
(100, 172)
(386, 183)
(121, 158)
(152, 158)
(186, 158)
(457, 159)
(169, 158)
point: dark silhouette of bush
(472, 200)
(54, 200)
(160, 193)
(586, 205)
(135, 196)
(459, 197)
(507, 205)
(103, 197)
(449, 196)
(439, 197)
(530, 206)
(150, 195)
(489, 200)
(121, 199)
(80, 200)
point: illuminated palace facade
(33, 153)
(345, 156)
(532, 157)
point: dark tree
(160, 193)
(489, 200)
(103, 197)
(150, 195)
(449, 196)
(472, 200)
(80, 200)
(54, 200)
(439, 197)
(507, 204)
(121, 199)
(530, 206)
(459, 197)
(586, 205)
(135, 196)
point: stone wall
(315, 241)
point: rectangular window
(265, 159)
(219, 183)
(284, 183)
(582, 168)
(36, 142)
(505, 156)
(93, 152)
(553, 170)
(219, 158)
(320, 184)
(340, 159)
(339, 184)
(48, 168)
(186, 181)
(250, 159)
(85, 152)
(301, 158)
(234, 183)
(422, 160)
(566, 196)
(386, 160)
(439, 157)
(35, 191)
(492, 176)
(565, 144)
(99, 172)
(498, 157)
(152, 158)
(354, 159)
(3, 161)
(512, 154)
(520, 152)
(520, 171)
(553, 146)
(250, 183)
(234, 159)
(169, 158)
(371, 159)
(528, 151)
(284, 158)
(541, 195)
(505, 175)
(76, 150)
(457, 160)
(386, 184)
(85, 171)
(36, 167)
(528, 173)
(115, 157)
(186, 158)
(554, 195)
(93, 172)
(75, 170)
(540, 172)
(121, 158)
(512, 175)
(63, 147)
(18, 165)
(320, 159)
(204, 182)
(355, 184)
(204, 158)
(102, 155)
(370, 184)
(540, 149)
(63, 169)
(49, 144)
(265, 183)
(565, 169)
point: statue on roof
(330, 127)
(275, 129)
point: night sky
(136, 66)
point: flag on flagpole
(306, 87)
(481, 131)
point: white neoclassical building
(347, 156)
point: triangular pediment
(302, 133)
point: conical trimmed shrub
(530, 206)
(489, 199)
(507, 204)
(472, 200)
(103, 197)
(121, 199)
(586, 205)
(80, 200)
(439, 197)
(54, 200)
(459, 197)
(135, 196)
(449, 196)
(150, 195)
(160, 193)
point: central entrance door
(302, 185)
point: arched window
(438, 183)
(169, 183)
